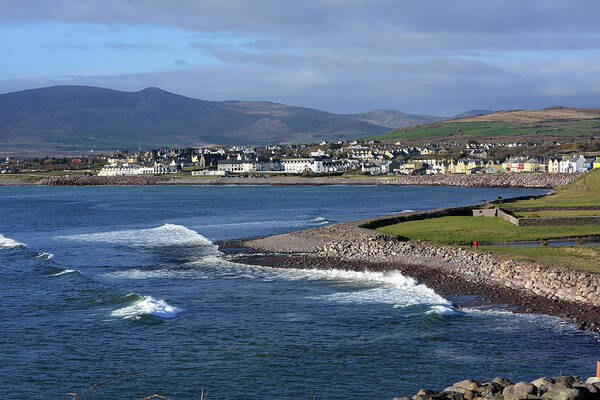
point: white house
(318, 153)
(236, 166)
(299, 165)
(573, 164)
(136, 169)
(553, 165)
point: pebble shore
(532, 288)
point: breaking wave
(9, 243)
(45, 255)
(319, 221)
(390, 288)
(443, 310)
(63, 272)
(144, 305)
(165, 235)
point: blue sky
(426, 56)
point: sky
(435, 57)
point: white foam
(165, 235)
(139, 274)
(9, 243)
(45, 255)
(319, 221)
(147, 306)
(389, 288)
(443, 310)
(65, 271)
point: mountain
(471, 113)
(394, 119)
(63, 118)
(545, 115)
(552, 123)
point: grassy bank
(577, 257)
(458, 230)
(461, 230)
(584, 191)
(493, 129)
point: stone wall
(591, 220)
(486, 212)
(508, 217)
(418, 215)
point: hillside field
(495, 129)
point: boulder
(592, 379)
(562, 394)
(542, 384)
(468, 384)
(501, 381)
(520, 391)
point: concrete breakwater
(559, 388)
(551, 282)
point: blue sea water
(97, 281)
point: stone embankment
(94, 180)
(554, 283)
(528, 180)
(559, 388)
(500, 180)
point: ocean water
(97, 281)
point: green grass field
(584, 191)
(492, 129)
(578, 257)
(461, 230)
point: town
(327, 158)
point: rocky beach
(451, 271)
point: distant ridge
(471, 113)
(395, 119)
(550, 123)
(79, 117)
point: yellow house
(532, 166)
(596, 163)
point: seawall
(500, 180)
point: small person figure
(471, 244)
(475, 243)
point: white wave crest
(138, 274)
(319, 221)
(381, 287)
(45, 255)
(9, 243)
(65, 271)
(147, 305)
(165, 235)
(443, 310)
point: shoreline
(462, 292)
(499, 180)
(451, 271)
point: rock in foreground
(559, 388)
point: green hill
(550, 123)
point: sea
(101, 281)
